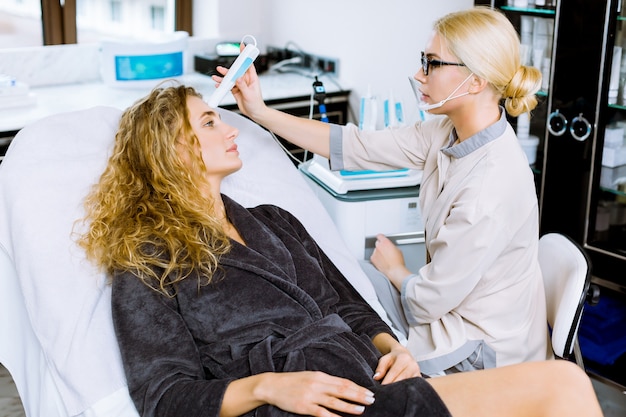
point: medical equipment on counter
(368, 112)
(228, 49)
(361, 215)
(393, 112)
(137, 64)
(319, 95)
(14, 93)
(239, 67)
(342, 182)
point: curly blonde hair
(487, 43)
(147, 213)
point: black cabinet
(5, 141)
(581, 160)
(536, 26)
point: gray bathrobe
(276, 305)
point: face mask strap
(451, 96)
(457, 89)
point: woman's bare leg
(550, 388)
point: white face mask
(426, 107)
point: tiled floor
(613, 400)
(10, 404)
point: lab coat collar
(476, 141)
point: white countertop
(72, 97)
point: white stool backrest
(566, 275)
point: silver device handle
(398, 239)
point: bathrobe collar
(270, 260)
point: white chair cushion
(564, 270)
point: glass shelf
(530, 10)
(614, 191)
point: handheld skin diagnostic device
(239, 67)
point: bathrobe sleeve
(156, 346)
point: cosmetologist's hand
(397, 365)
(389, 260)
(247, 91)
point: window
(116, 10)
(20, 23)
(82, 21)
(157, 14)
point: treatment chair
(20, 352)
(566, 270)
(56, 331)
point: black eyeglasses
(428, 62)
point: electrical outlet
(322, 64)
(327, 65)
(311, 62)
(275, 54)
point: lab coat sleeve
(391, 148)
(463, 250)
(162, 365)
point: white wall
(378, 42)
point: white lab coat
(480, 298)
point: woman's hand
(314, 393)
(247, 91)
(397, 363)
(312, 135)
(389, 260)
